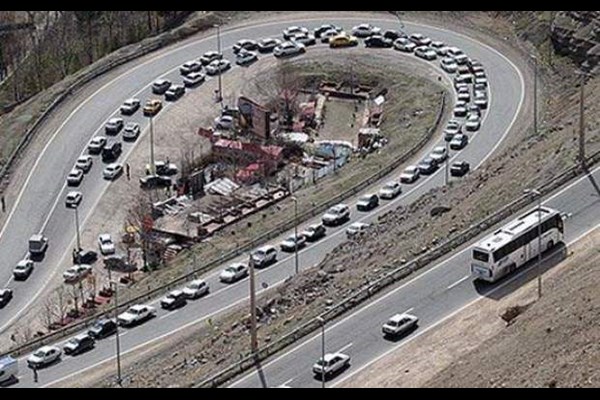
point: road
(42, 193)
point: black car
(5, 296)
(367, 202)
(155, 181)
(459, 142)
(111, 151)
(378, 41)
(324, 28)
(427, 166)
(174, 300)
(85, 257)
(79, 344)
(245, 44)
(267, 45)
(103, 328)
(393, 35)
(459, 168)
(174, 92)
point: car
(394, 34)
(327, 35)
(224, 122)
(336, 215)
(343, 40)
(218, 67)
(173, 300)
(84, 163)
(73, 199)
(292, 242)
(160, 86)
(390, 190)
(365, 30)
(460, 109)
(136, 314)
(330, 364)
(464, 96)
(453, 127)
(292, 31)
(209, 57)
(245, 44)
(314, 232)
(190, 67)
(234, 273)
(379, 41)
(410, 174)
(449, 65)
(79, 344)
(399, 324)
(439, 47)
(474, 109)
(420, 39)
(462, 79)
(264, 256)
(439, 154)
(305, 38)
(318, 32)
(175, 92)
(246, 58)
(85, 257)
(459, 168)
(96, 145)
(44, 356)
(23, 269)
(152, 107)
(455, 51)
(196, 289)
(367, 202)
(473, 122)
(130, 106)
(481, 99)
(103, 328)
(112, 171)
(461, 59)
(267, 45)
(425, 53)
(106, 244)
(405, 45)
(463, 69)
(427, 166)
(132, 131)
(77, 273)
(155, 181)
(356, 229)
(5, 296)
(113, 126)
(38, 244)
(459, 142)
(194, 79)
(74, 177)
(111, 150)
(163, 168)
(289, 49)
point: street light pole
(539, 263)
(253, 336)
(322, 321)
(581, 119)
(220, 98)
(77, 228)
(119, 379)
(295, 232)
(152, 165)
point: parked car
(79, 344)
(175, 92)
(210, 56)
(103, 328)
(112, 171)
(5, 296)
(427, 166)
(459, 142)
(292, 31)
(410, 174)
(245, 44)
(439, 47)
(190, 66)
(399, 324)
(356, 229)
(44, 356)
(314, 232)
(378, 41)
(246, 58)
(343, 40)
(111, 150)
(38, 244)
(77, 273)
(290, 243)
(394, 34)
(152, 107)
(331, 364)
(130, 106)
(365, 30)
(453, 127)
(264, 256)
(318, 32)
(459, 168)
(106, 244)
(218, 67)
(196, 289)
(23, 269)
(425, 53)
(268, 44)
(96, 145)
(390, 190)
(405, 45)
(136, 314)
(173, 300)
(85, 257)
(155, 181)
(420, 39)
(84, 163)
(132, 131)
(194, 79)
(336, 215)
(163, 168)
(367, 202)
(74, 177)
(113, 126)
(439, 154)
(73, 199)
(449, 65)
(161, 86)
(288, 49)
(234, 273)
(304, 38)
(327, 35)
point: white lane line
(169, 314)
(346, 347)
(458, 282)
(286, 383)
(409, 310)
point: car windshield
(196, 285)
(390, 185)
(231, 270)
(365, 198)
(39, 353)
(393, 323)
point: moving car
(175, 92)
(84, 163)
(314, 232)
(112, 171)
(291, 242)
(194, 79)
(449, 65)
(23, 269)
(268, 44)
(452, 128)
(152, 107)
(44, 356)
(473, 122)
(356, 229)
(460, 109)
(79, 344)
(367, 202)
(196, 289)
(336, 215)
(481, 99)
(410, 174)
(111, 150)
(234, 273)
(439, 47)
(459, 168)
(190, 66)
(439, 154)
(136, 314)
(245, 44)
(155, 181)
(5, 296)
(218, 67)
(405, 45)
(245, 57)
(96, 145)
(161, 86)
(103, 328)
(113, 126)
(9, 369)
(210, 56)
(365, 30)
(399, 324)
(130, 106)
(73, 199)
(427, 166)
(331, 364)
(292, 31)
(288, 49)
(379, 42)
(173, 300)
(75, 177)
(264, 256)
(38, 244)
(132, 131)
(459, 142)
(420, 39)
(77, 273)
(343, 40)
(390, 190)
(425, 53)
(106, 244)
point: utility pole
(152, 164)
(582, 120)
(77, 228)
(119, 378)
(253, 336)
(539, 263)
(295, 200)
(220, 97)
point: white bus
(516, 243)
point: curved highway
(41, 207)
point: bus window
(481, 256)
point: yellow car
(343, 40)
(152, 107)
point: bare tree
(62, 302)
(48, 312)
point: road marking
(409, 310)
(346, 347)
(169, 314)
(458, 282)
(287, 382)
(121, 334)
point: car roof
(197, 282)
(46, 348)
(398, 317)
(265, 247)
(176, 292)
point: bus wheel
(550, 245)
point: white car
(218, 67)
(460, 109)
(84, 163)
(190, 66)
(160, 86)
(130, 106)
(410, 174)
(336, 215)
(420, 39)
(473, 122)
(449, 65)
(481, 99)
(287, 49)
(439, 47)
(425, 53)
(75, 177)
(399, 324)
(234, 273)
(44, 356)
(453, 127)
(390, 190)
(136, 314)
(439, 154)
(290, 243)
(132, 131)
(245, 57)
(77, 272)
(106, 244)
(113, 126)
(264, 256)
(209, 57)
(356, 229)
(224, 122)
(96, 145)
(195, 289)
(194, 79)
(293, 31)
(405, 45)
(365, 30)
(325, 36)
(112, 171)
(332, 363)
(73, 199)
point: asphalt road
(36, 205)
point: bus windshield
(481, 256)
